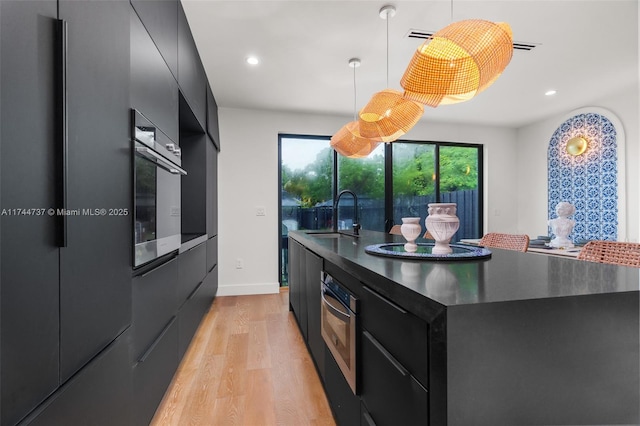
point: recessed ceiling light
(253, 60)
(550, 92)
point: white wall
(532, 144)
(248, 178)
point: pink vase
(442, 223)
(411, 230)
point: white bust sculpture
(562, 226)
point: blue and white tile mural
(588, 181)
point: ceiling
(584, 49)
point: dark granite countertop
(507, 276)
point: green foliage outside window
(413, 173)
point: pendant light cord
(354, 93)
(388, 17)
(451, 10)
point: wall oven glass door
(157, 200)
(338, 327)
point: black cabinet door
(295, 251)
(192, 268)
(160, 18)
(154, 90)
(212, 253)
(212, 118)
(212, 189)
(153, 372)
(100, 395)
(314, 337)
(344, 404)
(155, 304)
(95, 267)
(191, 76)
(390, 393)
(303, 319)
(29, 272)
(383, 318)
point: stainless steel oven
(157, 171)
(339, 326)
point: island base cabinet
(390, 394)
(315, 342)
(344, 404)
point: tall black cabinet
(62, 302)
(95, 273)
(30, 256)
(83, 341)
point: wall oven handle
(335, 311)
(159, 160)
(62, 130)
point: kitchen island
(515, 339)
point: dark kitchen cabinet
(194, 309)
(383, 318)
(153, 373)
(295, 252)
(298, 284)
(212, 189)
(316, 345)
(30, 267)
(212, 118)
(160, 18)
(393, 374)
(212, 253)
(100, 395)
(344, 404)
(80, 292)
(304, 297)
(192, 78)
(155, 303)
(154, 90)
(95, 268)
(192, 268)
(390, 393)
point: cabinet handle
(386, 354)
(152, 270)
(368, 418)
(62, 131)
(388, 302)
(146, 353)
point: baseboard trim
(247, 289)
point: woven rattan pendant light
(348, 141)
(460, 61)
(388, 115)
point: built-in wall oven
(339, 326)
(157, 171)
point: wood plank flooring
(247, 365)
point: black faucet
(356, 225)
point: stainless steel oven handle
(159, 160)
(335, 311)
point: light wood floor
(247, 365)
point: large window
(397, 180)
(426, 173)
(365, 177)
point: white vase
(411, 230)
(442, 223)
